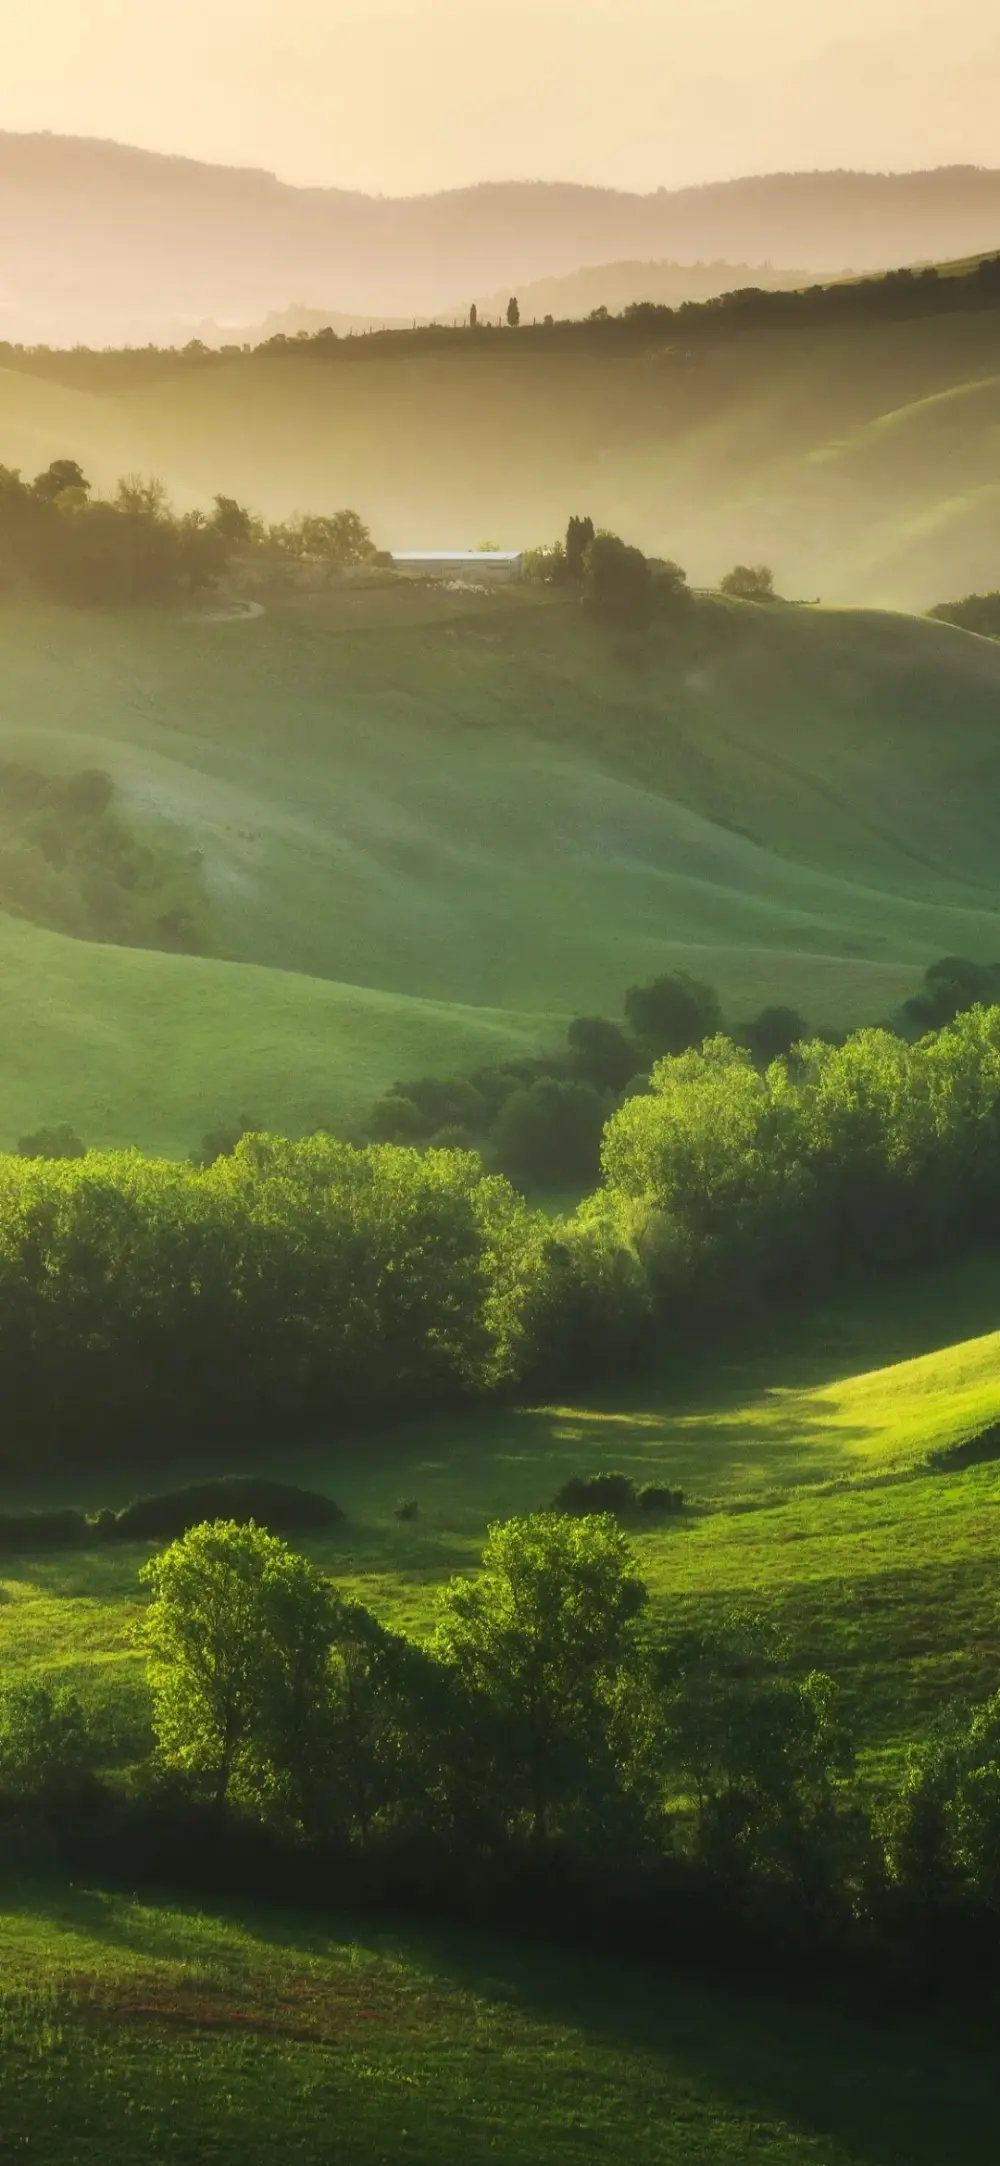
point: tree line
(320, 1278)
(557, 1749)
(133, 548)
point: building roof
(457, 556)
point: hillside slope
(435, 825)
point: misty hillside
(103, 243)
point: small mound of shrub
(583, 1494)
(27, 1532)
(278, 1506)
(656, 1497)
(407, 1508)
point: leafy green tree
(549, 1135)
(47, 1751)
(59, 1141)
(772, 1034)
(951, 987)
(237, 1639)
(601, 1053)
(547, 1636)
(941, 1831)
(672, 1013)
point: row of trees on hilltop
(616, 582)
(133, 548)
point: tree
(672, 1013)
(473, 317)
(772, 1034)
(513, 312)
(951, 987)
(601, 1053)
(141, 495)
(579, 535)
(547, 1636)
(749, 583)
(59, 1141)
(232, 520)
(617, 581)
(63, 474)
(47, 1753)
(237, 1638)
(549, 1135)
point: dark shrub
(60, 1141)
(655, 1497)
(772, 1034)
(26, 1532)
(673, 1013)
(407, 1508)
(549, 1136)
(596, 1493)
(278, 1506)
(600, 1052)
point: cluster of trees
(541, 1121)
(69, 860)
(133, 548)
(615, 581)
(977, 613)
(554, 1725)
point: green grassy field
(436, 825)
(141, 2028)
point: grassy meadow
(435, 825)
(137, 2026)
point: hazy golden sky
(403, 95)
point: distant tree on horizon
(513, 312)
(473, 317)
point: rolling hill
(429, 826)
(104, 242)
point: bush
(587, 1493)
(655, 1497)
(772, 1034)
(277, 1506)
(27, 1533)
(673, 1013)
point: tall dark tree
(672, 1013)
(579, 535)
(473, 317)
(513, 312)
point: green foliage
(771, 1034)
(547, 1636)
(30, 1533)
(942, 1828)
(68, 859)
(59, 1141)
(549, 1135)
(580, 533)
(47, 1751)
(237, 1636)
(951, 987)
(286, 1276)
(601, 1052)
(604, 1492)
(239, 1500)
(672, 1013)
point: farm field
(436, 825)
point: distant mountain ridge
(100, 242)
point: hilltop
(103, 242)
(427, 827)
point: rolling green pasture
(428, 827)
(138, 2028)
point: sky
(402, 96)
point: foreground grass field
(434, 826)
(136, 2030)
(139, 2028)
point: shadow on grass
(885, 2088)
